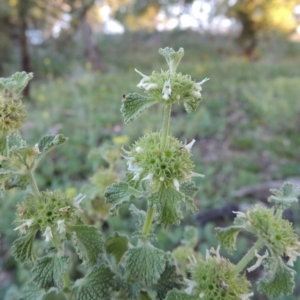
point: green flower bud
(170, 166)
(50, 212)
(215, 279)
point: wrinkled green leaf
(133, 105)
(189, 189)
(88, 241)
(172, 57)
(145, 263)
(119, 193)
(98, 284)
(47, 271)
(190, 236)
(117, 245)
(279, 280)
(22, 247)
(167, 203)
(168, 280)
(285, 196)
(32, 292)
(16, 83)
(14, 142)
(48, 142)
(191, 105)
(227, 237)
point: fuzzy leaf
(16, 83)
(280, 279)
(97, 284)
(48, 142)
(168, 280)
(285, 196)
(14, 142)
(22, 247)
(167, 202)
(145, 264)
(178, 295)
(189, 189)
(190, 236)
(172, 57)
(54, 294)
(48, 270)
(227, 237)
(133, 105)
(88, 241)
(117, 245)
(119, 193)
(32, 292)
(191, 105)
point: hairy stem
(166, 125)
(248, 257)
(148, 221)
(32, 183)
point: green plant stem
(67, 282)
(32, 183)
(166, 125)
(249, 255)
(148, 221)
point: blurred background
(83, 55)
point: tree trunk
(91, 51)
(25, 55)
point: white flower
(191, 284)
(61, 227)
(77, 200)
(148, 177)
(216, 252)
(292, 254)
(48, 234)
(161, 178)
(36, 149)
(167, 90)
(189, 146)
(149, 86)
(240, 214)
(196, 94)
(136, 170)
(139, 149)
(144, 80)
(176, 183)
(193, 174)
(245, 296)
(25, 223)
(130, 160)
(197, 85)
(258, 262)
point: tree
(258, 16)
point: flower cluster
(277, 233)
(215, 279)
(170, 88)
(50, 212)
(169, 166)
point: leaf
(191, 105)
(133, 105)
(88, 241)
(189, 189)
(178, 295)
(167, 202)
(32, 292)
(119, 193)
(117, 245)
(54, 294)
(172, 57)
(47, 271)
(14, 142)
(22, 247)
(16, 83)
(190, 236)
(169, 279)
(48, 142)
(98, 284)
(227, 237)
(279, 280)
(145, 263)
(285, 196)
